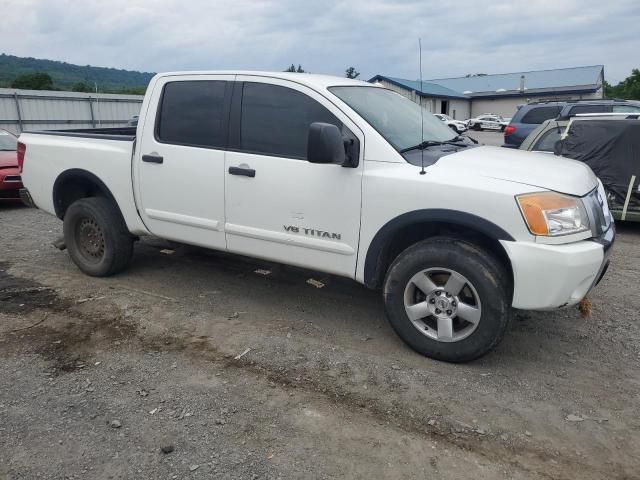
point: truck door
(278, 205)
(179, 169)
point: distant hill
(65, 75)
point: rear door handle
(247, 172)
(152, 158)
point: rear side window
(275, 120)
(538, 115)
(588, 109)
(548, 141)
(192, 113)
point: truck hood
(529, 168)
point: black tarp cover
(611, 148)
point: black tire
(477, 127)
(97, 237)
(487, 275)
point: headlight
(553, 214)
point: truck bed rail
(127, 134)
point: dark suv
(529, 116)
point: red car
(10, 181)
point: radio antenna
(422, 172)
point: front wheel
(97, 237)
(477, 127)
(448, 299)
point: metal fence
(22, 110)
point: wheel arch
(74, 184)
(411, 227)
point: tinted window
(538, 115)
(587, 109)
(192, 113)
(626, 109)
(548, 140)
(276, 120)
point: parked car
(272, 165)
(10, 181)
(456, 125)
(133, 121)
(529, 116)
(487, 122)
(606, 143)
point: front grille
(12, 178)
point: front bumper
(553, 276)
(25, 196)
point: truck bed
(103, 154)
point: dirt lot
(99, 374)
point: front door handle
(152, 158)
(247, 172)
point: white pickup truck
(335, 175)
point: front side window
(276, 120)
(192, 113)
(395, 117)
(626, 109)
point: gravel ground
(238, 374)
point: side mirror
(557, 147)
(325, 144)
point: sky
(374, 36)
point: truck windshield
(395, 117)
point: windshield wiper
(435, 143)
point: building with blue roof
(473, 95)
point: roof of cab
(309, 79)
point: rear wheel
(448, 299)
(97, 237)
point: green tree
(132, 91)
(81, 87)
(293, 69)
(33, 81)
(66, 75)
(628, 89)
(351, 73)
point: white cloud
(376, 36)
